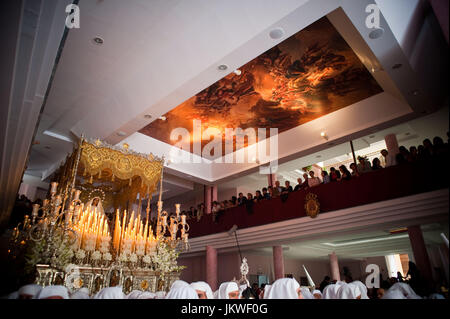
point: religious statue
(95, 203)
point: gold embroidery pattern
(312, 205)
(124, 165)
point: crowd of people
(427, 151)
(285, 288)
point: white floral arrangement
(123, 257)
(133, 258)
(96, 255)
(165, 259)
(147, 259)
(107, 256)
(80, 254)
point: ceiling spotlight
(276, 33)
(98, 40)
(147, 116)
(237, 72)
(324, 135)
(376, 33)
(121, 133)
(163, 118)
(222, 67)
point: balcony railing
(387, 183)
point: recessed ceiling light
(397, 66)
(147, 116)
(318, 156)
(98, 40)
(376, 33)
(276, 33)
(237, 72)
(222, 67)
(121, 133)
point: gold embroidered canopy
(124, 164)
(116, 173)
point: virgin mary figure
(95, 204)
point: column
(334, 267)
(391, 144)
(214, 193)
(420, 252)
(271, 178)
(207, 199)
(278, 262)
(211, 267)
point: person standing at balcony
(258, 196)
(325, 177)
(403, 157)
(376, 164)
(270, 190)
(363, 166)
(288, 186)
(276, 191)
(413, 153)
(354, 169)
(305, 181)
(334, 175)
(299, 185)
(313, 181)
(265, 193)
(389, 159)
(242, 199)
(346, 175)
(428, 147)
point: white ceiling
(157, 54)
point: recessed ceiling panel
(311, 74)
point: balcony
(385, 184)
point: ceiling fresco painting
(309, 75)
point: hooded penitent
(225, 288)
(203, 286)
(284, 288)
(185, 292)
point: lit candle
(35, 210)
(77, 194)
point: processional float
(84, 234)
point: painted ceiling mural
(309, 75)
